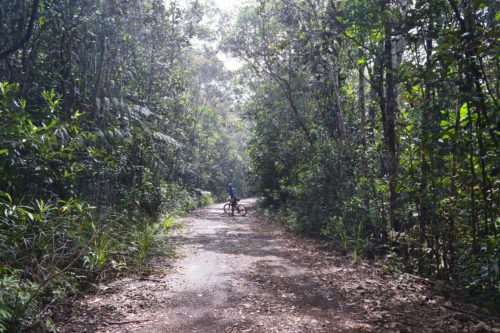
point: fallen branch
(143, 278)
(480, 316)
(416, 277)
(126, 322)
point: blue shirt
(232, 191)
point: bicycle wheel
(227, 209)
(242, 210)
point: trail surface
(241, 274)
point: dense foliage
(376, 125)
(103, 138)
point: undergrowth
(347, 236)
(47, 258)
(72, 210)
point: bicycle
(230, 208)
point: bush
(178, 200)
(75, 205)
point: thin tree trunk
(424, 202)
(362, 112)
(99, 70)
(389, 118)
(31, 24)
(362, 107)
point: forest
(370, 124)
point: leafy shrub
(52, 239)
(16, 299)
(178, 200)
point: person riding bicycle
(233, 206)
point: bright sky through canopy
(228, 5)
(231, 7)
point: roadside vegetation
(103, 141)
(371, 124)
(376, 126)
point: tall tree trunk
(470, 69)
(392, 56)
(99, 73)
(362, 113)
(389, 120)
(424, 203)
(362, 106)
(372, 113)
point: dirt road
(239, 274)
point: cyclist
(232, 192)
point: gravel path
(240, 274)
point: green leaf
(7, 196)
(42, 20)
(77, 114)
(464, 111)
(444, 123)
(4, 151)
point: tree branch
(27, 36)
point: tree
(419, 173)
